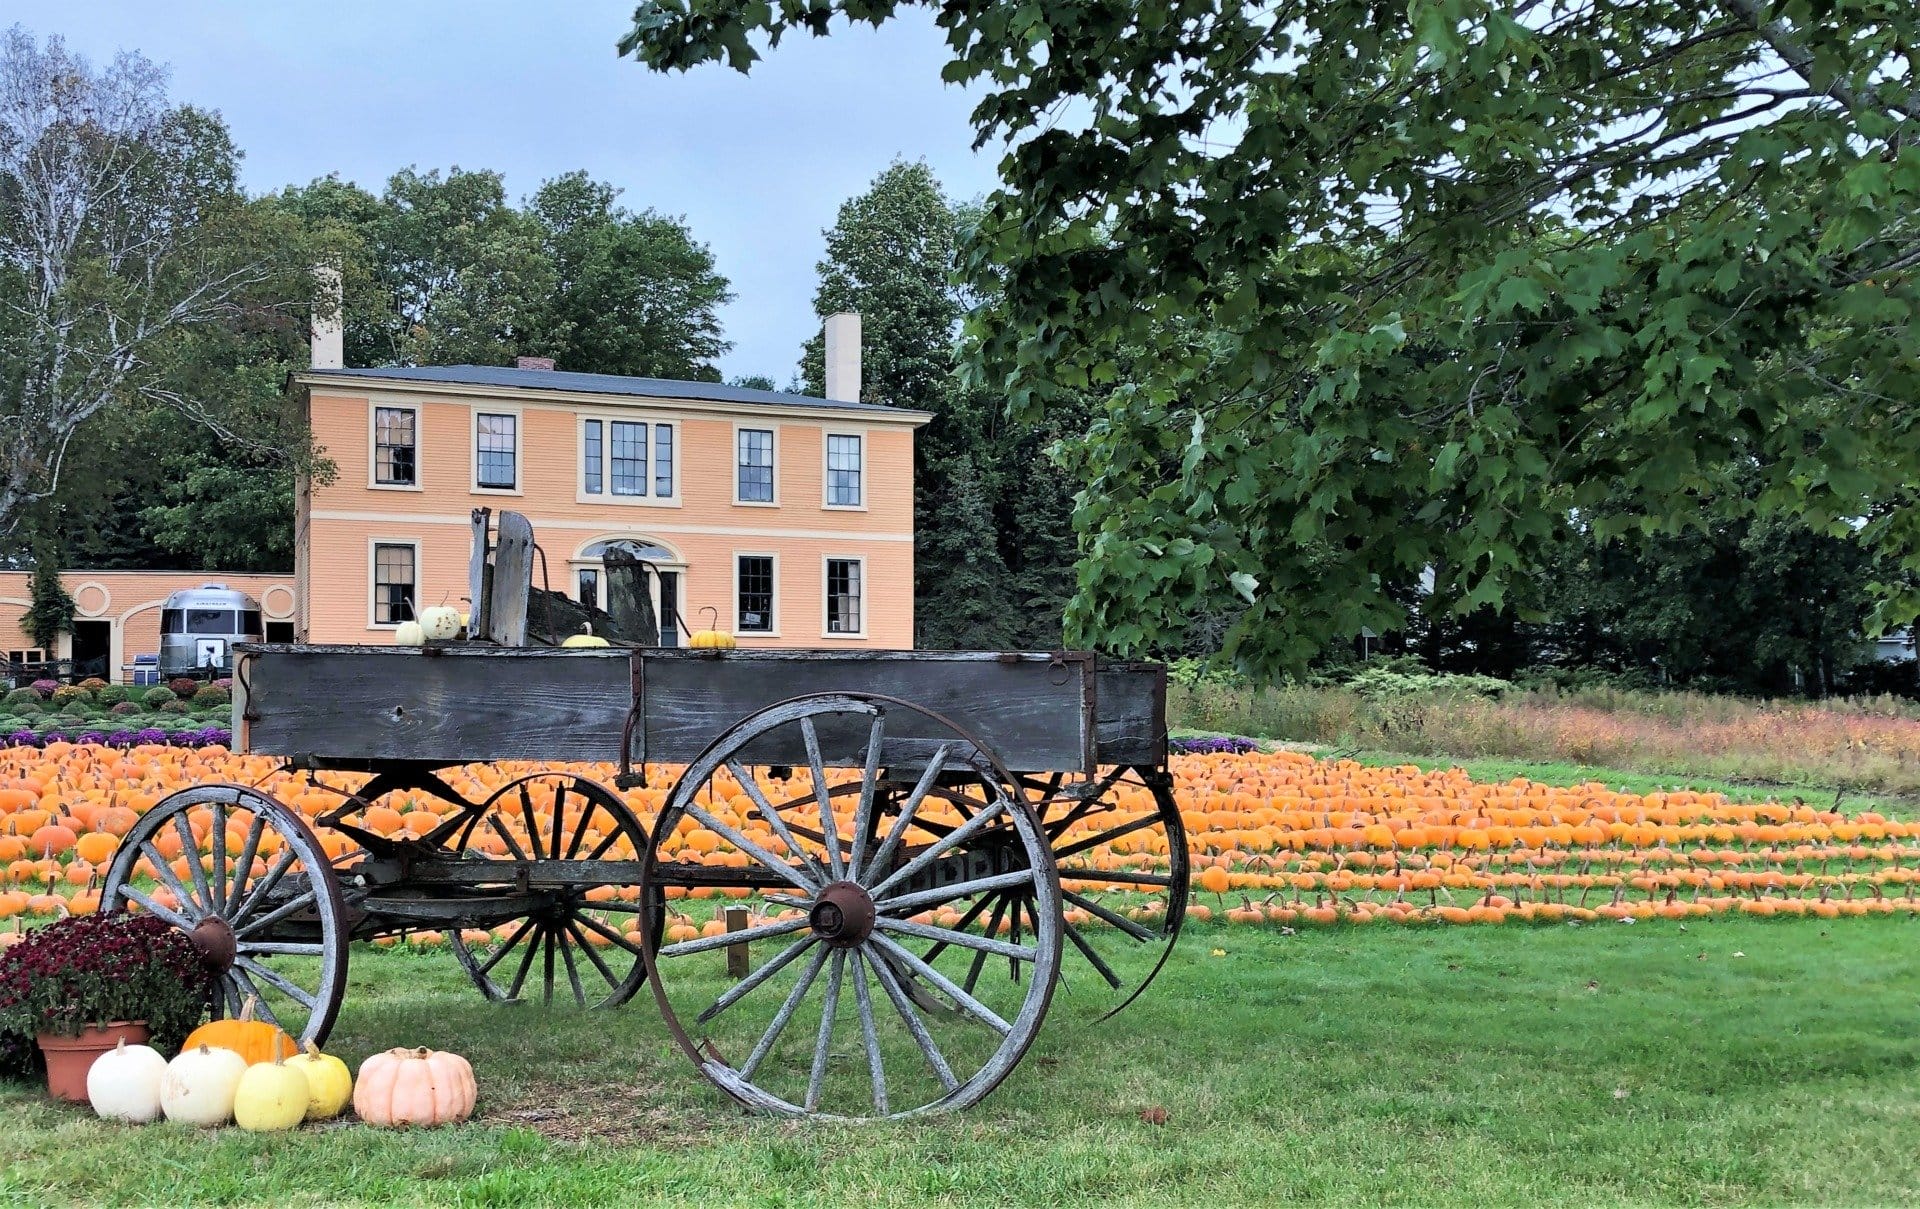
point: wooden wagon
(930, 843)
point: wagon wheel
(578, 939)
(922, 825)
(261, 903)
(1121, 851)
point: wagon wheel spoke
(780, 1036)
(829, 1017)
(979, 963)
(747, 985)
(876, 1065)
(829, 829)
(262, 1006)
(562, 938)
(908, 810)
(217, 859)
(567, 922)
(599, 963)
(1123, 918)
(775, 822)
(916, 1027)
(290, 948)
(513, 939)
(1013, 932)
(526, 962)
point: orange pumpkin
(254, 1040)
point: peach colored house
(785, 518)
(117, 613)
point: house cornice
(361, 387)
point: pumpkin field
(1278, 839)
(1396, 986)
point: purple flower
(91, 736)
(1213, 745)
(45, 687)
(151, 734)
(23, 738)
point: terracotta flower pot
(70, 1058)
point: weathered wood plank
(477, 572)
(512, 581)
(1132, 726)
(472, 703)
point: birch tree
(117, 216)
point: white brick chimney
(843, 357)
(328, 339)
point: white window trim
(374, 408)
(826, 438)
(519, 447)
(606, 496)
(826, 604)
(733, 605)
(373, 547)
(738, 428)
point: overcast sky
(757, 164)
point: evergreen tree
(51, 612)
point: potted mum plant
(73, 989)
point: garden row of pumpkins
(251, 1074)
(442, 622)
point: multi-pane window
(843, 471)
(496, 444)
(755, 466)
(393, 446)
(755, 577)
(590, 457)
(589, 587)
(393, 584)
(629, 458)
(663, 460)
(843, 595)
(626, 457)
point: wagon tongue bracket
(843, 915)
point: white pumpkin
(200, 1086)
(123, 1084)
(409, 633)
(439, 622)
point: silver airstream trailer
(198, 627)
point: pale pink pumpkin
(414, 1087)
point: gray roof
(604, 384)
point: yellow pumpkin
(255, 1040)
(713, 640)
(414, 1087)
(585, 638)
(329, 1082)
(270, 1096)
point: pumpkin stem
(313, 1051)
(422, 1052)
(246, 1009)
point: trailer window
(211, 621)
(173, 621)
(250, 622)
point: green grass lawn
(1650, 1064)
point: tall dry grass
(1870, 744)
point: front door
(92, 649)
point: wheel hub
(213, 939)
(842, 915)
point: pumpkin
(585, 638)
(270, 1096)
(254, 1040)
(414, 1087)
(409, 633)
(329, 1082)
(439, 623)
(200, 1085)
(123, 1084)
(713, 640)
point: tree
(890, 257)
(119, 219)
(1411, 286)
(50, 609)
(634, 293)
